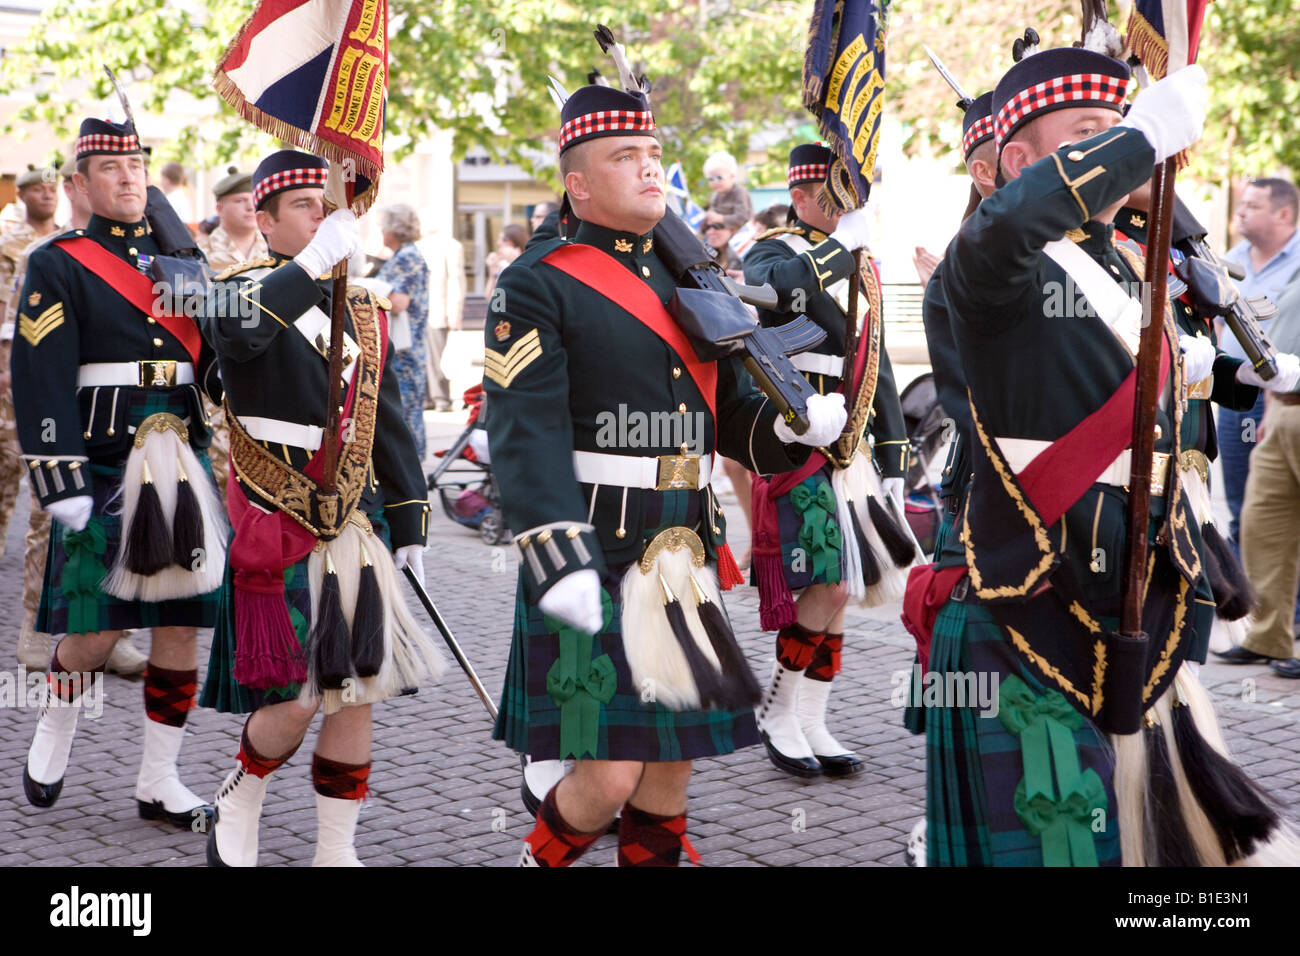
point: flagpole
(336, 196)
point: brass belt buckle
(678, 471)
(1159, 472)
(157, 374)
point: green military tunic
(800, 279)
(273, 371)
(569, 370)
(75, 439)
(1037, 362)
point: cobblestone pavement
(444, 793)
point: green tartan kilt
(974, 763)
(802, 562)
(221, 691)
(115, 614)
(629, 728)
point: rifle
(1208, 278)
(710, 307)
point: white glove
(1171, 113)
(411, 556)
(336, 239)
(1286, 379)
(893, 488)
(575, 600)
(72, 513)
(1199, 354)
(826, 418)
(853, 229)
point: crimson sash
(603, 273)
(134, 286)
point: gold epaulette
(780, 231)
(239, 267)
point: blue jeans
(1234, 455)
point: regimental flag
(314, 73)
(844, 87)
(679, 197)
(1164, 34)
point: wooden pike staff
(333, 440)
(1163, 36)
(1147, 395)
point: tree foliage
(722, 71)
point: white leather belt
(163, 373)
(661, 473)
(276, 432)
(1019, 452)
(818, 364)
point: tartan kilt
(106, 475)
(789, 522)
(974, 764)
(221, 691)
(630, 729)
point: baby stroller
(926, 430)
(464, 482)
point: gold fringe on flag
(1147, 45)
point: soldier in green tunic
(802, 527)
(1038, 580)
(106, 391)
(603, 429)
(313, 615)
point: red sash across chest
(135, 287)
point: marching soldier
(34, 647)
(312, 612)
(1036, 599)
(800, 531)
(603, 430)
(106, 391)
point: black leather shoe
(1288, 668)
(798, 766)
(214, 858)
(1239, 655)
(40, 794)
(841, 765)
(184, 820)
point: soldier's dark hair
(272, 205)
(1281, 192)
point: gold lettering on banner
(863, 139)
(370, 26)
(840, 72)
(358, 100)
(862, 99)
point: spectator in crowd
(510, 244)
(1270, 254)
(446, 260)
(717, 231)
(773, 216)
(1270, 513)
(540, 212)
(173, 186)
(729, 197)
(407, 275)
